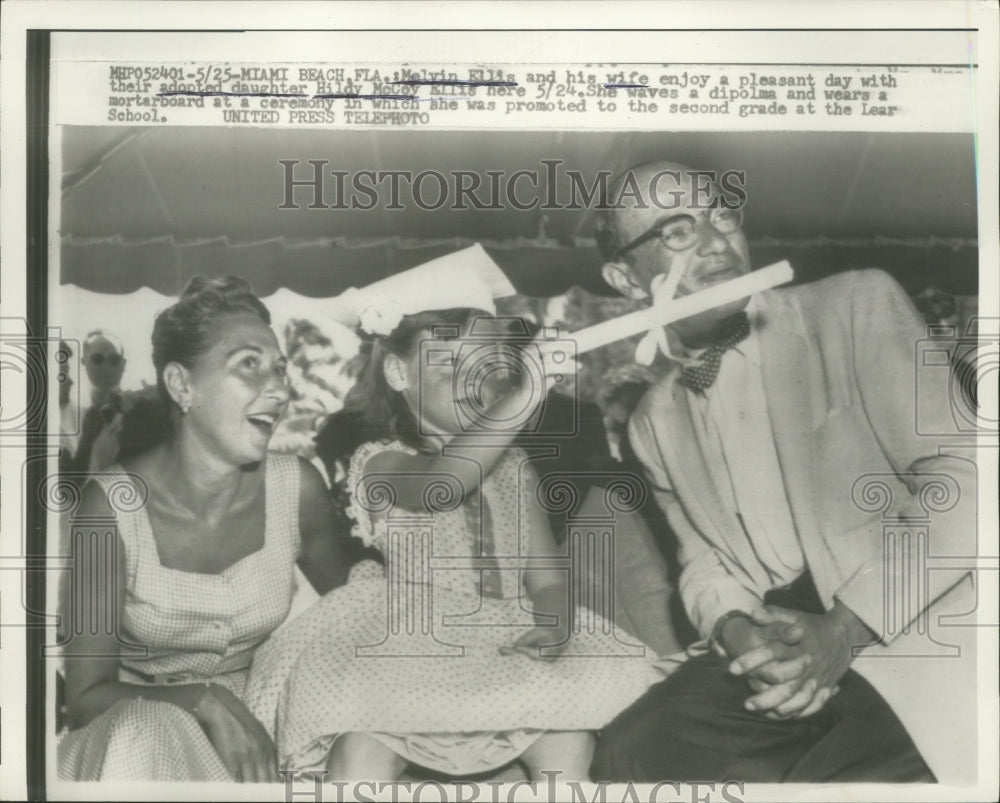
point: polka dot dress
(413, 655)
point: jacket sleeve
(708, 585)
(908, 402)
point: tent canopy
(152, 207)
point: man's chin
(720, 313)
(731, 309)
(701, 327)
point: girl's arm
(92, 662)
(412, 476)
(325, 557)
(470, 456)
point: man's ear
(618, 274)
(395, 372)
(176, 378)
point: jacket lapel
(785, 363)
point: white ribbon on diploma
(665, 310)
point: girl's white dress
(411, 655)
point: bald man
(771, 409)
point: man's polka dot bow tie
(701, 376)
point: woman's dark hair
(383, 411)
(337, 440)
(182, 332)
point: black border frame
(38, 48)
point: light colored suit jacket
(863, 435)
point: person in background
(199, 569)
(104, 361)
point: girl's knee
(565, 752)
(359, 755)
(141, 720)
(158, 730)
(358, 744)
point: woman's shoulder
(126, 484)
(282, 479)
(285, 464)
(121, 492)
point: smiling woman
(203, 571)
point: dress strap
(363, 527)
(127, 500)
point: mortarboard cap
(467, 278)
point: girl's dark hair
(181, 332)
(383, 411)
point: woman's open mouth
(265, 422)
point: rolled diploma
(601, 334)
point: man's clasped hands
(793, 661)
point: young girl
(470, 665)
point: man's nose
(711, 240)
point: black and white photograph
(411, 407)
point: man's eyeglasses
(114, 360)
(681, 232)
